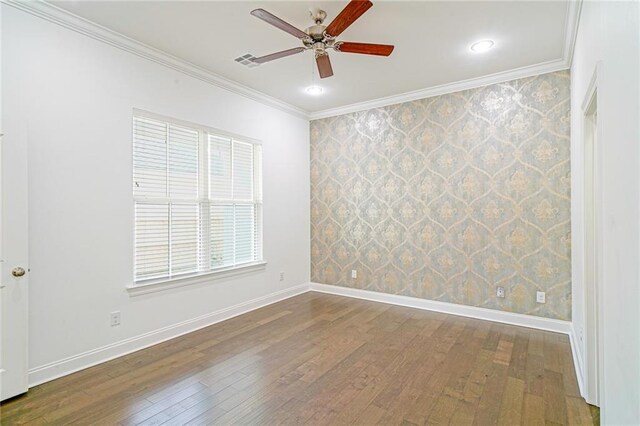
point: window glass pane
(222, 235)
(242, 171)
(151, 240)
(219, 168)
(183, 162)
(149, 158)
(176, 231)
(245, 233)
(184, 238)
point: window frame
(203, 200)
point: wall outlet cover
(541, 297)
(500, 291)
(115, 318)
(354, 273)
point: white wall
(610, 32)
(76, 97)
(75, 100)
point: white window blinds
(197, 200)
(235, 202)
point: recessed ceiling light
(482, 46)
(314, 90)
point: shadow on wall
(448, 197)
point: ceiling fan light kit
(320, 38)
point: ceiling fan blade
(365, 48)
(278, 55)
(348, 16)
(324, 66)
(278, 23)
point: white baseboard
(577, 361)
(530, 321)
(63, 367)
(540, 323)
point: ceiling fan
(320, 37)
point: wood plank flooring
(325, 360)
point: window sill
(154, 286)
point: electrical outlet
(540, 297)
(354, 273)
(115, 318)
(281, 276)
(500, 292)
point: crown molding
(563, 63)
(83, 26)
(443, 89)
(574, 7)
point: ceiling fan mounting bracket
(318, 15)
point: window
(197, 195)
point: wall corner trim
(72, 364)
(66, 19)
(540, 323)
(577, 361)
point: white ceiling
(432, 42)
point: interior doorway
(592, 246)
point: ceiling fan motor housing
(318, 40)
(316, 32)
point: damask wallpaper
(449, 197)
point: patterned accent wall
(449, 197)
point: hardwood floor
(321, 359)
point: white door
(13, 247)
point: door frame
(14, 289)
(592, 249)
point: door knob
(18, 271)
